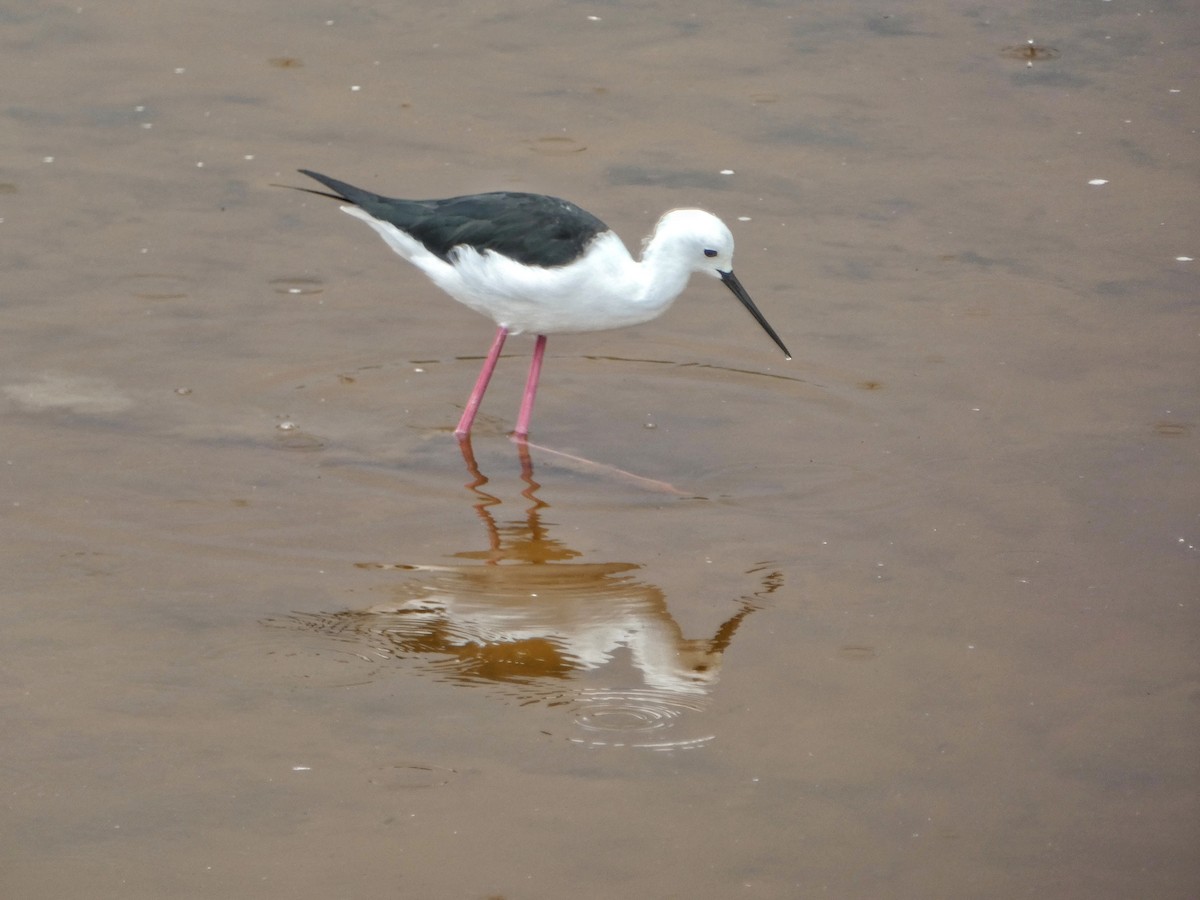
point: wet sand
(911, 615)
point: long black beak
(734, 285)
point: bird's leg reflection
(468, 455)
(485, 499)
(526, 467)
(527, 541)
(479, 479)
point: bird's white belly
(598, 291)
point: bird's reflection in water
(525, 618)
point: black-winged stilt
(543, 265)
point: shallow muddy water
(911, 615)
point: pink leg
(531, 384)
(481, 383)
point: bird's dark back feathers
(532, 229)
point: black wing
(532, 229)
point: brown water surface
(912, 615)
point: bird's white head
(692, 240)
(697, 238)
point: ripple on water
(297, 285)
(158, 285)
(808, 488)
(644, 718)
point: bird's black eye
(710, 253)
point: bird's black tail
(338, 190)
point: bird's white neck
(663, 271)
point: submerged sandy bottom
(913, 615)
